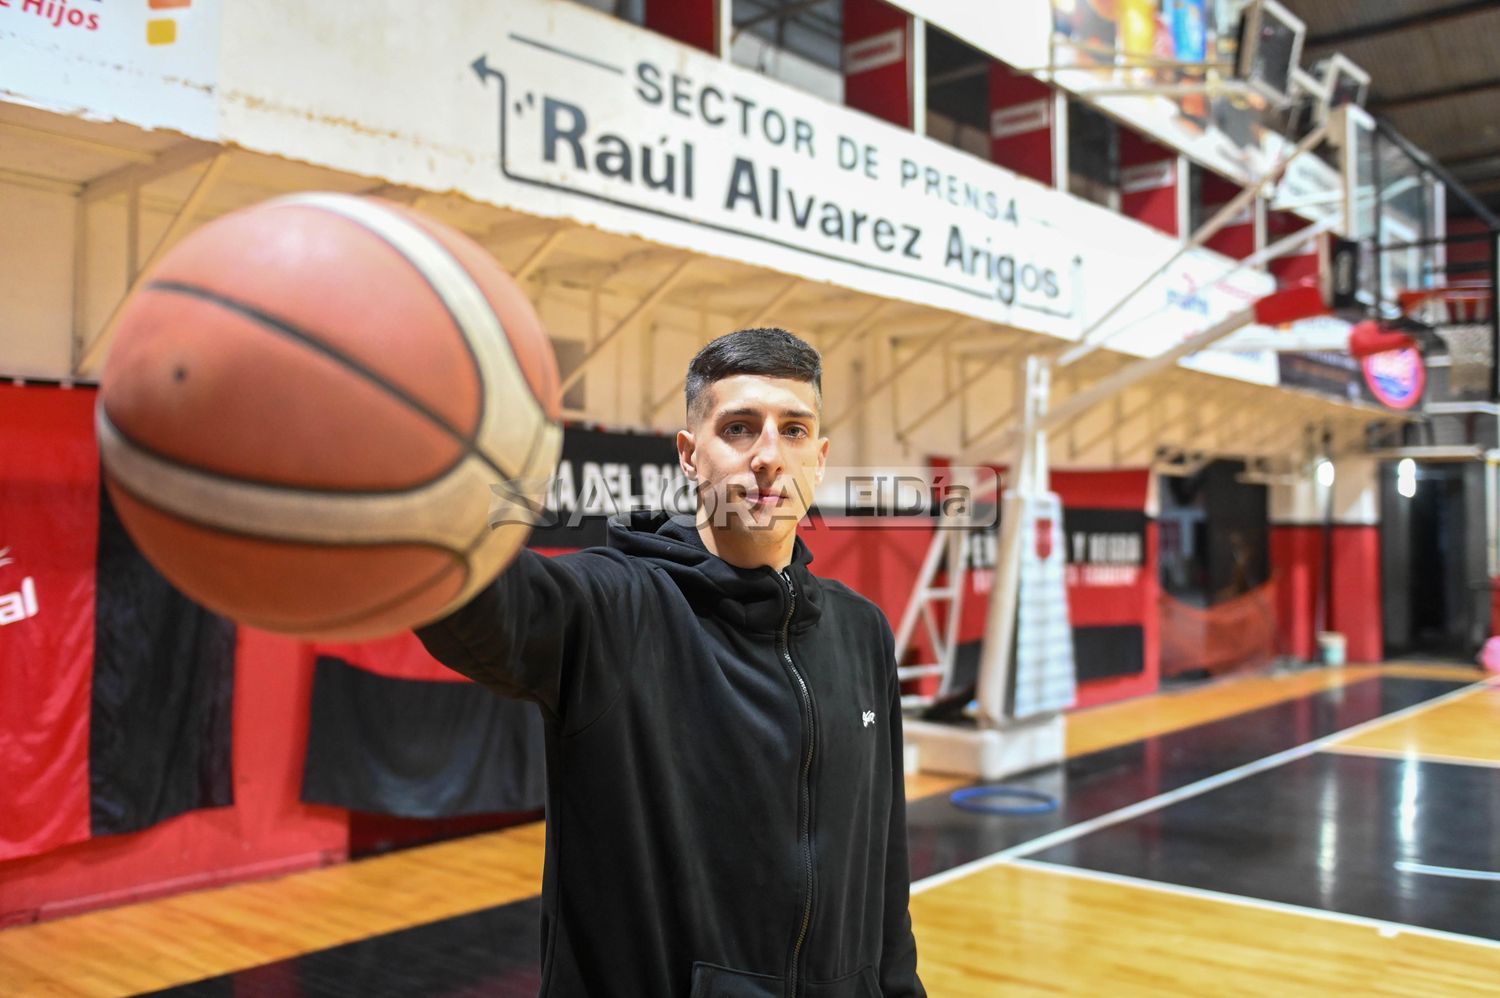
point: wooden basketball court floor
(1322, 832)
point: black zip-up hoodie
(725, 807)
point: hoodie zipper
(805, 702)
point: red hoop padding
(1369, 337)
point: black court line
(491, 952)
(942, 837)
(1324, 832)
(496, 953)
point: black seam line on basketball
(469, 546)
(301, 336)
(302, 489)
(366, 613)
(193, 521)
(469, 446)
(458, 327)
(505, 343)
(488, 529)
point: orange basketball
(329, 416)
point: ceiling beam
(88, 355)
(899, 366)
(654, 296)
(856, 329)
(1439, 93)
(38, 182)
(539, 253)
(1374, 29)
(177, 158)
(86, 145)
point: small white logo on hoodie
(869, 717)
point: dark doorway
(1217, 611)
(1432, 561)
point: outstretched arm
(540, 632)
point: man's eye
(796, 431)
(736, 429)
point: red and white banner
(49, 513)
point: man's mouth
(764, 500)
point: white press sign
(645, 131)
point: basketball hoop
(1460, 314)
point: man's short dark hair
(770, 352)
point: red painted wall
(1296, 569)
(843, 548)
(1355, 611)
(267, 831)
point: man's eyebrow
(785, 413)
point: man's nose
(767, 457)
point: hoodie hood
(751, 599)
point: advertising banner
(601, 474)
(153, 65)
(118, 692)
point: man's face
(756, 456)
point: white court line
(1180, 794)
(1403, 754)
(1446, 871)
(1386, 929)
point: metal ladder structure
(946, 556)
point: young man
(725, 808)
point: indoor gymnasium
(749, 498)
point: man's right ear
(687, 454)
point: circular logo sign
(1397, 377)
